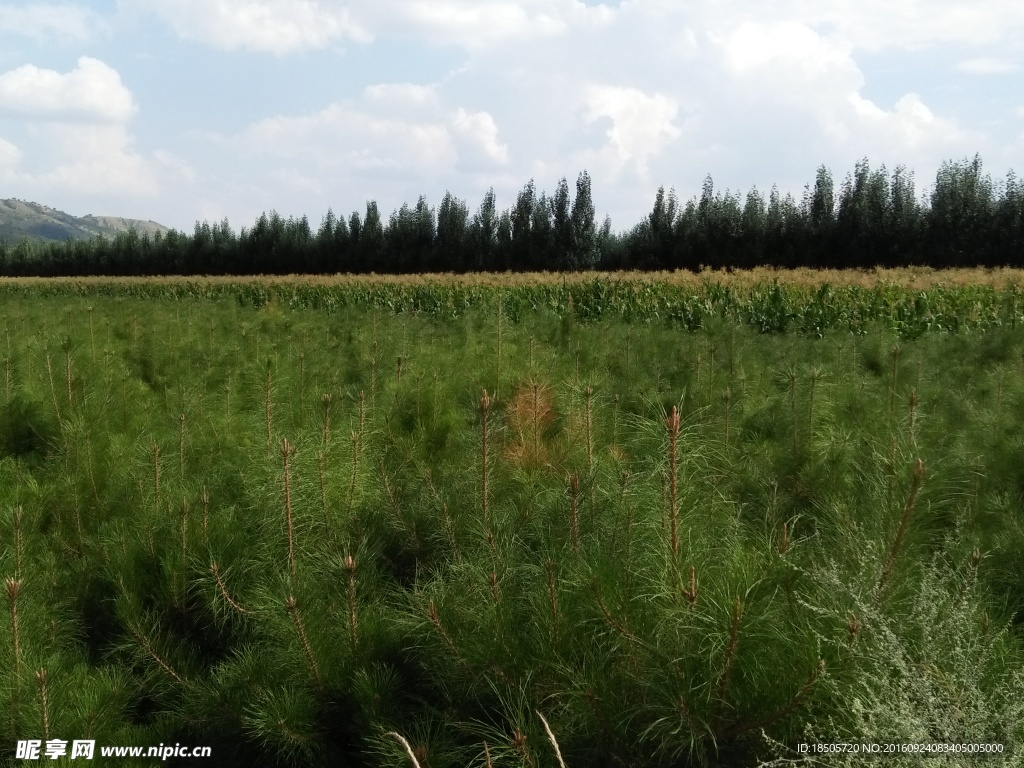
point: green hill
(20, 219)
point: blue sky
(183, 110)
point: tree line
(873, 218)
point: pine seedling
(146, 644)
(292, 606)
(156, 478)
(355, 470)
(67, 370)
(497, 370)
(549, 566)
(590, 437)
(731, 649)
(302, 389)
(287, 450)
(908, 510)
(53, 392)
(727, 397)
(327, 421)
(44, 705)
(350, 575)
(92, 341)
(181, 446)
(205, 498)
(323, 489)
(690, 592)
(485, 404)
(373, 375)
(13, 587)
(913, 417)
(435, 619)
(896, 351)
(19, 545)
(816, 375)
(673, 436)
(222, 588)
(362, 411)
(574, 493)
(536, 417)
(184, 529)
(267, 404)
(792, 376)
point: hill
(20, 219)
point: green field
(471, 523)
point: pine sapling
(355, 470)
(574, 493)
(67, 371)
(350, 574)
(292, 606)
(205, 498)
(181, 446)
(673, 436)
(287, 450)
(549, 566)
(690, 593)
(485, 404)
(267, 404)
(156, 478)
(908, 510)
(222, 588)
(327, 420)
(722, 689)
(44, 705)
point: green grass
(833, 595)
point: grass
(702, 553)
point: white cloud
(348, 135)
(480, 130)
(273, 26)
(46, 21)
(91, 92)
(175, 167)
(403, 94)
(988, 66)
(96, 160)
(642, 124)
(10, 155)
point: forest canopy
(874, 217)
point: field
(530, 521)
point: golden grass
(916, 278)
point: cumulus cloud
(988, 66)
(10, 155)
(47, 21)
(348, 135)
(481, 131)
(279, 27)
(642, 125)
(91, 92)
(95, 160)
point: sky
(188, 110)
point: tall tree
(452, 232)
(583, 243)
(561, 221)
